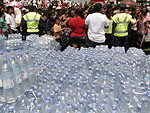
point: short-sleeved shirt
(96, 23)
(78, 27)
(3, 25)
(56, 29)
(10, 19)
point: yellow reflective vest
(122, 20)
(32, 19)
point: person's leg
(125, 43)
(116, 41)
(74, 42)
(82, 41)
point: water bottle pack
(90, 80)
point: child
(57, 29)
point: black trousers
(90, 43)
(121, 41)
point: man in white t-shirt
(95, 23)
(10, 20)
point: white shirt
(134, 27)
(10, 19)
(96, 23)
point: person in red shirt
(78, 35)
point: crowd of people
(80, 26)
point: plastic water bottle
(31, 72)
(18, 76)
(23, 64)
(9, 90)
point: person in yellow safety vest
(121, 28)
(31, 23)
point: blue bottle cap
(66, 90)
(39, 95)
(1, 106)
(79, 89)
(48, 87)
(84, 82)
(102, 106)
(52, 82)
(93, 100)
(93, 86)
(70, 81)
(84, 96)
(143, 88)
(124, 92)
(59, 98)
(31, 91)
(57, 105)
(43, 91)
(49, 110)
(116, 100)
(70, 87)
(4, 60)
(139, 107)
(81, 101)
(64, 78)
(40, 84)
(68, 108)
(75, 106)
(28, 107)
(96, 95)
(133, 86)
(107, 94)
(44, 80)
(145, 93)
(11, 109)
(90, 106)
(32, 99)
(56, 90)
(114, 107)
(88, 92)
(44, 69)
(52, 95)
(47, 102)
(102, 87)
(105, 100)
(59, 86)
(48, 98)
(38, 106)
(143, 100)
(123, 87)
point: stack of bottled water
(14, 42)
(2, 40)
(44, 41)
(16, 72)
(89, 80)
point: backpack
(64, 41)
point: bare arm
(133, 23)
(65, 22)
(9, 28)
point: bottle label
(24, 74)
(18, 78)
(31, 69)
(8, 83)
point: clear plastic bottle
(9, 90)
(18, 76)
(24, 67)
